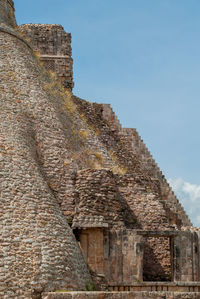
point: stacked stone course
(148, 163)
(54, 47)
(38, 249)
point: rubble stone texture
(7, 13)
(54, 46)
(81, 197)
(38, 250)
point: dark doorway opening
(157, 264)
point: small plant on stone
(89, 286)
(84, 133)
(99, 157)
(69, 221)
(135, 221)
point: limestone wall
(53, 45)
(7, 13)
(186, 256)
(128, 150)
(123, 257)
(138, 158)
(176, 213)
(64, 160)
(142, 195)
(149, 214)
(38, 250)
(97, 195)
(124, 202)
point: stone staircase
(170, 200)
(136, 147)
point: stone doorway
(91, 243)
(158, 259)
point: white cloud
(189, 196)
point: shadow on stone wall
(156, 266)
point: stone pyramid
(67, 168)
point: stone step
(121, 295)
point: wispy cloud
(189, 196)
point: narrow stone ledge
(164, 283)
(121, 295)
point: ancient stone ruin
(85, 210)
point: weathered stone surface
(122, 295)
(53, 45)
(7, 13)
(38, 249)
(67, 162)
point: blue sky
(142, 57)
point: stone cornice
(53, 57)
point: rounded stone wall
(38, 250)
